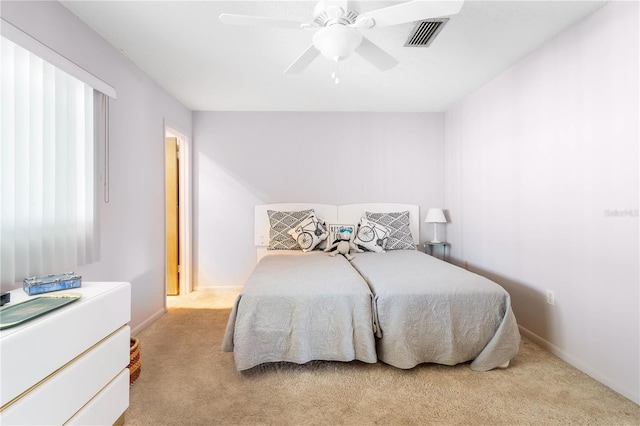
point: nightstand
(430, 247)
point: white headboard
(349, 213)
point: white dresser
(69, 366)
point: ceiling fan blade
(303, 61)
(258, 21)
(378, 57)
(410, 11)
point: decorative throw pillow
(334, 232)
(281, 223)
(323, 243)
(398, 223)
(372, 236)
(309, 233)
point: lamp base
(435, 233)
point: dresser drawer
(61, 395)
(107, 406)
(38, 348)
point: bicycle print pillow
(400, 237)
(309, 233)
(372, 236)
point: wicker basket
(134, 360)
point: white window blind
(47, 172)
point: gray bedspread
(432, 311)
(299, 308)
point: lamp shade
(435, 215)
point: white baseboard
(146, 323)
(631, 394)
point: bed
(298, 307)
(430, 311)
(401, 307)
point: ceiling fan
(338, 29)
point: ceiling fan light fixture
(337, 41)
(338, 29)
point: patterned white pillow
(281, 223)
(372, 236)
(398, 223)
(309, 233)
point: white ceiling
(210, 66)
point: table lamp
(435, 216)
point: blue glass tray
(11, 316)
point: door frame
(185, 240)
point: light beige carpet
(187, 380)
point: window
(47, 168)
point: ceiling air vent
(424, 32)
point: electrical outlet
(551, 298)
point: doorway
(172, 214)
(177, 213)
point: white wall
(132, 224)
(243, 159)
(536, 161)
